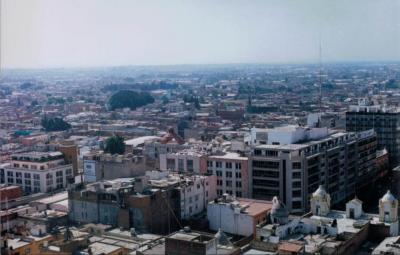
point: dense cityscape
(207, 159)
(201, 127)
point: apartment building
(384, 120)
(38, 172)
(194, 191)
(104, 166)
(152, 203)
(99, 202)
(293, 167)
(184, 161)
(232, 171)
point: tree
(26, 85)
(130, 99)
(115, 145)
(55, 124)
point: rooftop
(251, 207)
(229, 155)
(37, 156)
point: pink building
(232, 171)
(184, 161)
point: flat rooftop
(229, 155)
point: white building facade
(38, 172)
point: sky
(85, 33)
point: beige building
(38, 172)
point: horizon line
(201, 64)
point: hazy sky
(64, 33)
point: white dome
(388, 197)
(320, 192)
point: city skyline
(41, 33)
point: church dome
(222, 238)
(320, 192)
(278, 209)
(388, 197)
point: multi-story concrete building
(104, 166)
(38, 172)
(99, 202)
(296, 160)
(232, 171)
(384, 120)
(153, 203)
(194, 191)
(184, 161)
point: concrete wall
(223, 216)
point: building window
(228, 165)
(27, 175)
(209, 163)
(219, 182)
(296, 175)
(296, 165)
(36, 176)
(180, 165)
(18, 174)
(189, 164)
(10, 174)
(238, 194)
(257, 152)
(297, 184)
(296, 193)
(266, 164)
(228, 183)
(238, 165)
(218, 164)
(238, 184)
(68, 171)
(269, 153)
(228, 174)
(171, 164)
(238, 175)
(219, 173)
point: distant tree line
(129, 99)
(140, 86)
(55, 124)
(26, 85)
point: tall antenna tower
(320, 76)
